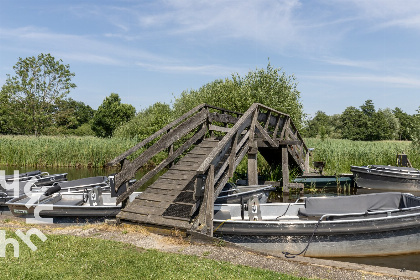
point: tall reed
(60, 151)
(339, 154)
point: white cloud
(395, 81)
(211, 70)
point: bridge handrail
(156, 135)
(227, 138)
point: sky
(341, 52)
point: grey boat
(9, 188)
(385, 177)
(93, 202)
(346, 226)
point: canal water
(408, 262)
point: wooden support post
(209, 199)
(253, 152)
(253, 164)
(306, 162)
(232, 156)
(285, 168)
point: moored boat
(93, 202)
(12, 186)
(383, 177)
(361, 225)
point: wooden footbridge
(203, 148)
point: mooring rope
(287, 208)
(221, 225)
(290, 255)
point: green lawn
(69, 257)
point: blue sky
(342, 52)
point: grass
(340, 154)
(60, 151)
(70, 257)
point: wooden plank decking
(170, 201)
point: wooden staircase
(171, 200)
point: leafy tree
(321, 125)
(353, 124)
(71, 114)
(4, 104)
(39, 84)
(146, 122)
(111, 114)
(406, 124)
(386, 125)
(268, 86)
(416, 130)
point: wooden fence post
(209, 198)
(285, 168)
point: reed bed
(88, 151)
(60, 151)
(340, 154)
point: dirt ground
(216, 250)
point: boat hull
(406, 241)
(383, 180)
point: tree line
(365, 124)
(34, 101)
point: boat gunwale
(321, 219)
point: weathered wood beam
(233, 155)
(209, 200)
(219, 128)
(223, 118)
(285, 168)
(265, 135)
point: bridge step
(170, 200)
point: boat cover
(318, 206)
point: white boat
(346, 226)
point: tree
(406, 124)
(269, 86)
(386, 125)
(111, 114)
(415, 134)
(71, 114)
(39, 84)
(353, 124)
(146, 122)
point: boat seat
(318, 206)
(70, 202)
(222, 215)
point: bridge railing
(175, 138)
